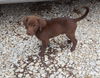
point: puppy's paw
(72, 49)
(41, 54)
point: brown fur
(45, 29)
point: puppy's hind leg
(73, 40)
(69, 41)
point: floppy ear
(25, 19)
(42, 23)
(36, 28)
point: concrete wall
(20, 1)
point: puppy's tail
(80, 18)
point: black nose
(28, 33)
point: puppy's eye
(31, 25)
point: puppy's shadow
(53, 50)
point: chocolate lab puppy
(45, 29)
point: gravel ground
(19, 52)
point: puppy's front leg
(43, 48)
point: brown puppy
(45, 29)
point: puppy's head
(33, 24)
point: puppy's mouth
(30, 34)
